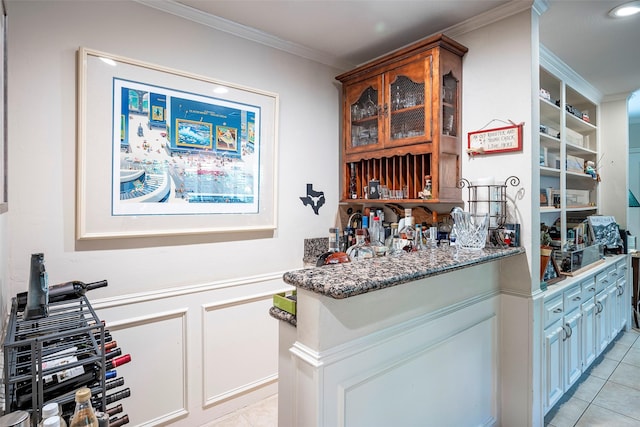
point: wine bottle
(37, 297)
(55, 390)
(108, 346)
(113, 353)
(72, 290)
(96, 401)
(116, 382)
(114, 410)
(117, 422)
(113, 363)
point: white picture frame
(211, 169)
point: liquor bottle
(392, 242)
(427, 190)
(379, 249)
(37, 305)
(333, 255)
(407, 232)
(361, 250)
(418, 239)
(83, 415)
(72, 290)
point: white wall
(500, 71)
(614, 153)
(191, 310)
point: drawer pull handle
(591, 289)
(577, 299)
(557, 310)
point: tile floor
(260, 414)
(608, 394)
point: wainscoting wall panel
(231, 333)
(201, 351)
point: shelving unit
(568, 139)
(30, 344)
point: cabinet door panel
(408, 103)
(602, 321)
(553, 364)
(572, 347)
(589, 331)
(362, 110)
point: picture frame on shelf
(551, 272)
(165, 152)
(4, 162)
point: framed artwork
(4, 198)
(166, 152)
(604, 231)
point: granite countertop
(276, 313)
(350, 279)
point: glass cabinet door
(409, 103)
(364, 111)
(449, 105)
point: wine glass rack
(71, 328)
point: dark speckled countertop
(355, 278)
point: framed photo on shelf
(551, 274)
(166, 152)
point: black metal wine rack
(30, 344)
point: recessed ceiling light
(626, 9)
(220, 89)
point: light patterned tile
(628, 375)
(621, 399)
(633, 356)
(603, 367)
(588, 388)
(629, 337)
(601, 417)
(617, 351)
(236, 419)
(263, 413)
(566, 413)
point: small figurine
(590, 169)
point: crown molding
(489, 17)
(552, 63)
(245, 32)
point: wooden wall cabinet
(401, 122)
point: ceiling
(606, 52)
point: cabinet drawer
(588, 288)
(603, 280)
(621, 268)
(572, 298)
(553, 310)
